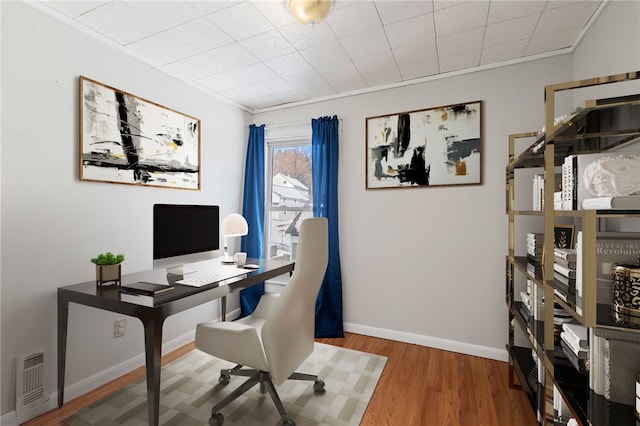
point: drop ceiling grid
(254, 53)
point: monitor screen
(184, 233)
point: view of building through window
(291, 199)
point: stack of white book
(575, 345)
(535, 241)
(564, 272)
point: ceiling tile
(419, 52)
(394, 11)
(206, 7)
(339, 71)
(512, 30)
(181, 42)
(268, 45)
(241, 21)
(574, 15)
(319, 89)
(505, 10)
(275, 12)
(304, 36)
(416, 70)
(354, 17)
(214, 61)
(378, 69)
(293, 63)
(196, 67)
(370, 63)
(349, 83)
(553, 41)
(503, 52)
(410, 31)
(118, 21)
(461, 42)
(238, 77)
(365, 43)
(461, 61)
(325, 55)
(291, 96)
(74, 9)
(267, 87)
(306, 78)
(461, 17)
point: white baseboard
(432, 342)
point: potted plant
(108, 268)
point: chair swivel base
(266, 385)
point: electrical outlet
(119, 328)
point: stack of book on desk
(147, 289)
(575, 345)
(564, 273)
(535, 242)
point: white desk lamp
(234, 225)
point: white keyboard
(198, 279)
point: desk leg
(223, 308)
(63, 320)
(153, 356)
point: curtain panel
(253, 211)
(324, 163)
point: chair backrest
(289, 331)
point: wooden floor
(419, 386)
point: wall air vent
(33, 372)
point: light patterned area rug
(190, 388)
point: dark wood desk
(153, 317)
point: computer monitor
(184, 234)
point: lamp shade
(310, 12)
(234, 225)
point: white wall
(427, 264)
(52, 223)
(610, 46)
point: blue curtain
(324, 161)
(253, 212)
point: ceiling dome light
(310, 12)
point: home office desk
(153, 314)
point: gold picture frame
(438, 146)
(130, 140)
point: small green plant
(108, 258)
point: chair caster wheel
(224, 379)
(288, 423)
(217, 419)
(318, 386)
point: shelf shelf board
(574, 135)
(533, 329)
(574, 388)
(605, 413)
(523, 364)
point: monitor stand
(181, 270)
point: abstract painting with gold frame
(430, 147)
(130, 140)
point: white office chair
(279, 335)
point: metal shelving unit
(594, 127)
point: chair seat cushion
(237, 342)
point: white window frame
(279, 137)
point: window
(288, 198)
